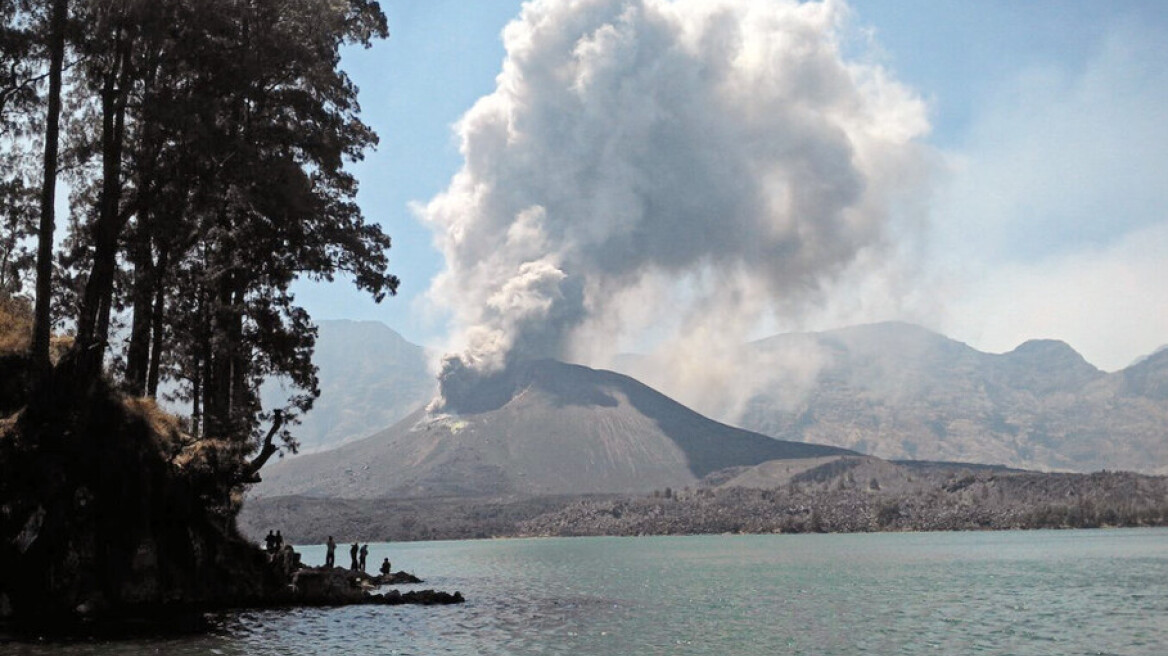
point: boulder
(423, 597)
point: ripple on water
(1103, 592)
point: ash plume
(665, 168)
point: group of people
(358, 555)
(274, 542)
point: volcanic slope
(369, 376)
(555, 429)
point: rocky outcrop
(420, 597)
(396, 578)
(336, 586)
(96, 521)
(105, 515)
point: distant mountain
(370, 377)
(552, 428)
(899, 391)
(1154, 353)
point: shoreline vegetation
(111, 509)
(113, 517)
(849, 494)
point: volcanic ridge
(540, 427)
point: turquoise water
(1035, 592)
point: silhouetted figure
(287, 560)
(353, 554)
(385, 567)
(279, 541)
(364, 555)
(270, 542)
(330, 556)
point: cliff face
(97, 520)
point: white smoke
(692, 169)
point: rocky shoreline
(336, 586)
(304, 587)
(111, 516)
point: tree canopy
(204, 144)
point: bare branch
(251, 473)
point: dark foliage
(205, 144)
(97, 521)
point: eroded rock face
(100, 522)
(97, 521)
(329, 586)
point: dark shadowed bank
(107, 516)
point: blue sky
(1046, 216)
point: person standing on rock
(353, 554)
(330, 556)
(364, 555)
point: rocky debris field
(859, 495)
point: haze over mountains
(370, 377)
(893, 390)
(899, 391)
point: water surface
(1026, 592)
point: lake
(1015, 592)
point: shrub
(15, 324)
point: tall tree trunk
(147, 276)
(142, 299)
(44, 270)
(201, 360)
(240, 390)
(217, 407)
(93, 322)
(157, 326)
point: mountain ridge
(1040, 406)
(369, 377)
(563, 429)
(893, 389)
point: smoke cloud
(672, 173)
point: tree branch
(251, 472)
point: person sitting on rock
(353, 554)
(330, 556)
(364, 555)
(385, 567)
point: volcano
(539, 428)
